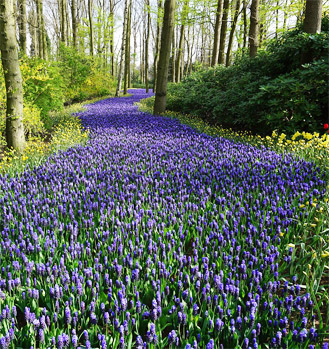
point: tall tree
(253, 30)
(62, 18)
(112, 4)
(91, 29)
(22, 25)
(147, 41)
(127, 53)
(157, 42)
(232, 31)
(123, 46)
(215, 49)
(74, 23)
(166, 37)
(181, 39)
(313, 13)
(40, 28)
(226, 9)
(13, 78)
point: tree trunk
(245, 24)
(13, 78)
(39, 31)
(111, 35)
(74, 23)
(223, 30)
(157, 43)
(218, 23)
(313, 13)
(173, 55)
(181, 40)
(253, 31)
(166, 36)
(22, 25)
(147, 4)
(123, 45)
(91, 30)
(33, 33)
(127, 53)
(43, 34)
(62, 15)
(230, 41)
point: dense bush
(285, 88)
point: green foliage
(85, 77)
(43, 84)
(284, 88)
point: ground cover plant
(156, 234)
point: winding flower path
(153, 233)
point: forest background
(243, 64)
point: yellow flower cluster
(66, 135)
(310, 146)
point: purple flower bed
(154, 235)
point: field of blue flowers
(154, 235)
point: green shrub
(284, 88)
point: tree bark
(13, 78)
(181, 40)
(91, 30)
(223, 31)
(127, 53)
(22, 25)
(173, 55)
(39, 31)
(33, 33)
(157, 43)
(148, 25)
(245, 24)
(166, 37)
(253, 31)
(313, 13)
(111, 35)
(62, 15)
(123, 45)
(230, 41)
(74, 23)
(218, 23)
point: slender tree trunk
(111, 35)
(148, 25)
(218, 23)
(63, 21)
(277, 18)
(43, 34)
(245, 24)
(127, 53)
(39, 19)
(123, 45)
(13, 78)
(230, 41)
(179, 53)
(181, 40)
(313, 13)
(173, 55)
(22, 25)
(253, 32)
(157, 43)
(74, 23)
(33, 33)
(223, 31)
(166, 36)
(91, 30)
